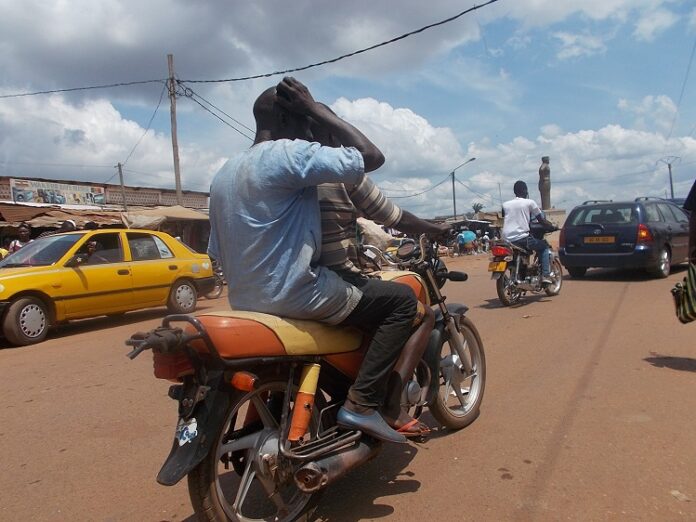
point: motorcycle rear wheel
(242, 491)
(506, 289)
(557, 278)
(458, 400)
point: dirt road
(588, 415)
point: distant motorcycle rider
(518, 214)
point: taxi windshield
(42, 252)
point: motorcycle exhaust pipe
(318, 474)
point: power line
(188, 93)
(681, 94)
(420, 193)
(221, 119)
(164, 88)
(73, 89)
(348, 55)
(188, 90)
(484, 196)
(72, 165)
(265, 75)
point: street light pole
(454, 194)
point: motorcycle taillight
(171, 366)
(500, 251)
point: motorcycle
(219, 276)
(258, 396)
(517, 270)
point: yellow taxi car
(98, 272)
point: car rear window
(604, 214)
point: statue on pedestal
(545, 183)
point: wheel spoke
(244, 443)
(266, 416)
(460, 396)
(274, 495)
(244, 485)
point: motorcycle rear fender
(496, 275)
(209, 414)
(432, 353)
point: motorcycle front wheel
(508, 293)
(217, 289)
(458, 400)
(243, 478)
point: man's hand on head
(294, 96)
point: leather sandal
(421, 431)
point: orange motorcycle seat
(410, 279)
(238, 334)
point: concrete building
(84, 193)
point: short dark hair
(24, 225)
(520, 188)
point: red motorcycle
(258, 395)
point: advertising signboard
(33, 191)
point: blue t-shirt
(266, 229)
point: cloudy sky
(603, 87)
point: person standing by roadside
(690, 206)
(24, 232)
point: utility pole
(454, 198)
(123, 188)
(500, 194)
(669, 161)
(454, 195)
(175, 142)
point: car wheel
(26, 321)
(664, 263)
(577, 271)
(182, 298)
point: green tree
(478, 207)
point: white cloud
(410, 143)
(652, 112)
(51, 138)
(550, 131)
(652, 23)
(577, 45)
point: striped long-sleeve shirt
(340, 207)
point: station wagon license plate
(600, 239)
(497, 266)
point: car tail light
(500, 251)
(561, 238)
(644, 234)
(171, 366)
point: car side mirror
(76, 260)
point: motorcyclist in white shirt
(518, 214)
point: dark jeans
(390, 308)
(541, 247)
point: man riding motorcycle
(518, 214)
(340, 206)
(265, 229)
